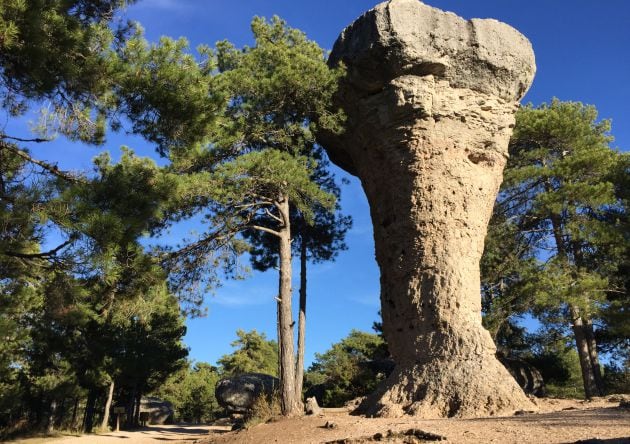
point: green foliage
(323, 237)
(60, 51)
(557, 238)
(191, 392)
(264, 409)
(259, 150)
(169, 96)
(559, 365)
(558, 187)
(507, 260)
(270, 174)
(279, 90)
(341, 370)
(254, 354)
(94, 308)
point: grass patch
(264, 409)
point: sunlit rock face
(430, 100)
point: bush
(263, 409)
(616, 379)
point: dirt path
(562, 422)
(171, 434)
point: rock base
(475, 387)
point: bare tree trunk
(299, 365)
(108, 405)
(88, 420)
(594, 357)
(136, 416)
(131, 404)
(278, 335)
(50, 424)
(581, 343)
(73, 421)
(61, 413)
(285, 340)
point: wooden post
(118, 411)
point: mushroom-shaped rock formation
(430, 100)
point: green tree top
(254, 354)
(557, 189)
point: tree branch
(265, 229)
(273, 216)
(43, 255)
(19, 139)
(53, 169)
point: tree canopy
(557, 240)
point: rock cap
(407, 37)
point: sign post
(118, 411)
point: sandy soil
(557, 421)
(171, 434)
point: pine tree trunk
(131, 404)
(88, 420)
(299, 366)
(108, 405)
(50, 423)
(73, 421)
(577, 323)
(278, 335)
(136, 416)
(581, 343)
(594, 357)
(285, 340)
(61, 413)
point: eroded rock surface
(237, 394)
(160, 411)
(430, 100)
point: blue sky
(583, 54)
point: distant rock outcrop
(160, 411)
(527, 376)
(238, 393)
(311, 407)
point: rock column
(430, 100)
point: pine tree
(260, 162)
(557, 191)
(320, 241)
(254, 354)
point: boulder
(311, 407)
(238, 393)
(526, 375)
(159, 411)
(317, 391)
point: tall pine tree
(558, 188)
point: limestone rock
(311, 407)
(238, 393)
(526, 375)
(430, 100)
(160, 411)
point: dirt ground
(171, 434)
(557, 421)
